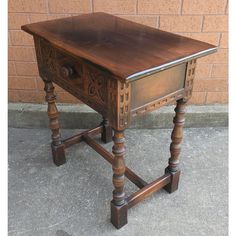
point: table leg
(118, 204)
(175, 147)
(58, 149)
(107, 131)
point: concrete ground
(74, 199)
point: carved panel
(49, 55)
(119, 103)
(124, 104)
(97, 85)
(189, 78)
(89, 84)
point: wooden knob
(67, 71)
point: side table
(122, 70)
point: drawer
(82, 79)
(154, 87)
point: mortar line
(220, 39)
(47, 3)
(203, 20)
(136, 7)
(92, 4)
(158, 22)
(227, 3)
(181, 7)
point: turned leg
(58, 150)
(118, 204)
(175, 147)
(107, 131)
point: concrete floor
(74, 199)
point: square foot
(58, 154)
(119, 215)
(107, 134)
(173, 185)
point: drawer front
(156, 86)
(83, 80)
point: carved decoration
(90, 86)
(190, 73)
(119, 100)
(97, 86)
(158, 103)
(124, 104)
(49, 55)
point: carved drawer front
(83, 80)
(156, 86)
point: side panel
(156, 86)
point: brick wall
(198, 19)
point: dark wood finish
(122, 47)
(118, 167)
(118, 204)
(87, 82)
(189, 79)
(139, 182)
(157, 85)
(57, 146)
(149, 189)
(79, 137)
(107, 131)
(122, 70)
(175, 146)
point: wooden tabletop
(126, 49)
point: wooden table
(122, 70)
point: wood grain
(120, 46)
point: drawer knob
(67, 72)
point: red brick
(38, 17)
(27, 6)
(58, 16)
(221, 56)
(65, 97)
(151, 21)
(224, 40)
(21, 38)
(9, 39)
(210, 85)
(181, 23)
(16, 20)
(217, 97)
(212, 38)
(198, 98)
(30, 96)
(115, 7)
(26, 68)
(220, 71)
(159, 7)
(193, 7)
(203, 70)
(11, 54)
(40, 86)
(21, 53)
(70, 6)
(11, 68)
(24, 83)
(215, 23)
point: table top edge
(168, 65)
